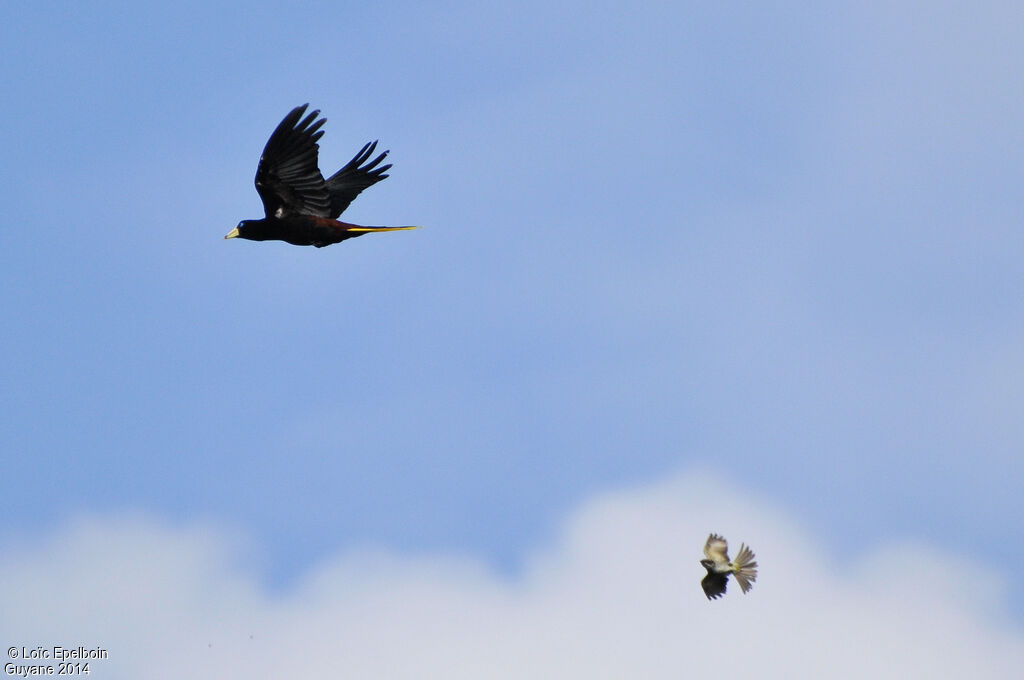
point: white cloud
(615, 595)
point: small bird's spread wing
(346, 184)
(714, 585)
(717, 550)
(288, 178)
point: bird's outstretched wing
(346, 184)
(288, 178)
(714, 585)
(717, 549)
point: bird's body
(301, 206)
(719, 566)
(304, 230)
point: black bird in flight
(302, 208)
(719, 566)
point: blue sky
(774, 244)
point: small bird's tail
(744, 568)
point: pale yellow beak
(233, 233)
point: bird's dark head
(249, 229)
(707, 564)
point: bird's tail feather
(745, 568)
(367, 229)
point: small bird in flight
(302, 208)
(717, 562)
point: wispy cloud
(614, 595)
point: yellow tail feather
(379, 228)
